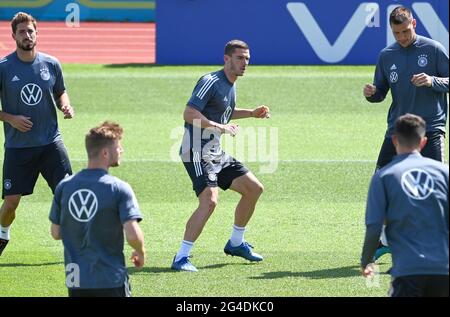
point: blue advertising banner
(313, 32)
(85, 10)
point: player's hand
(231, 129)
(369, 90)
(261, 112)
(369, 270)
(68, 111)
(21, 123)
(421, 79)
(138, 259)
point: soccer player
(415, 69)
(207, 115)
(90, 212)
(410, 194)
(30, 83)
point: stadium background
(309, 223)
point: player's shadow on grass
(338, 272)
(153, 270)
(29, 264)
(157, 270)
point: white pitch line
(264, 162)
(114, 74)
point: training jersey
(215, 97)
(91, 208)
(30, 90)
(411, 195)
(395, 68)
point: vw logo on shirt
(83, 205)
(417, 184)
(393, 77)
(31, 94)
(226, 115)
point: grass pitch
(309, 223)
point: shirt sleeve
(128, 205)
(55, 211)
(440, 83)
(375, 216)
(59, 86)
(203, 92)
(380, 82)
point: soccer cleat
(381, 250)
(244, 251)
(3, 243)
(183, 264)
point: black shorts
(434, 149)
(212, 174)
(420, 286)
(123, 291)
(22, 166)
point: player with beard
(30, 84)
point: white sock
(237, 236)
(185, 250)
(4, 232)
(383, 238)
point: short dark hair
(102, 136)
(21, 17)
(234, 44)
(410, 129)
(400, 15)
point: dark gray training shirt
(30, 90)
(215, 97)
(411, 194)
(91, 208)
(395, 68)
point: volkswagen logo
(417, 184)
(31, 94)
(83, 205)
(393, 77)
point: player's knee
(212, 204)
(10, 204)
(255, 190)
(209, 199)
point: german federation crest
(212, 177)
(422, 60)
(7, 184)
(45, 74)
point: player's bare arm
(55, 231)
(194, 117)
(19, 122)
(63, 103)
(260, 112)
(135, 239)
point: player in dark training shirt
(207, 116)
(30, 84)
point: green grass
(309, 223)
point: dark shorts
(21, 168)
(420, 286)
(434, 149)
(123, 291)
(212, 174)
